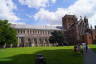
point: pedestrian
(78, 47)
(84, 47)
(75, 48)
(81, 51)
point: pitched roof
(26, 26)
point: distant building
(75, 31)
(29, 35)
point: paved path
(90, 57)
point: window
(17, 31)
(24, 31)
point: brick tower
(68, 20)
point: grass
(93, 47)
(27, 55)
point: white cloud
(53, 1)
(50, 17)
(16, 22)
(79, 8)
(36, 3)
(6, 10)
(92, 20)
(85, 8)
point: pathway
(90, 57)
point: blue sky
(46, 12)
(24, 11)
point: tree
(7, 34)
(94, 41)
(57, 37)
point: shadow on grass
(60, 56)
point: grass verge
(93, 47)
(27, 55)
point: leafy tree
(57, 37)
(7, 34)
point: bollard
(40, 59)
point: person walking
(78, 48)
(84, 47)
(75, 48)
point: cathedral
(74, 31)
(78, 30)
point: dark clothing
(40, 60)
(86, 48)
(75, 48)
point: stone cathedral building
(74, 31)
(77, 30)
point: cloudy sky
(46, 12)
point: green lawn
(93, 47)
(53, 55)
